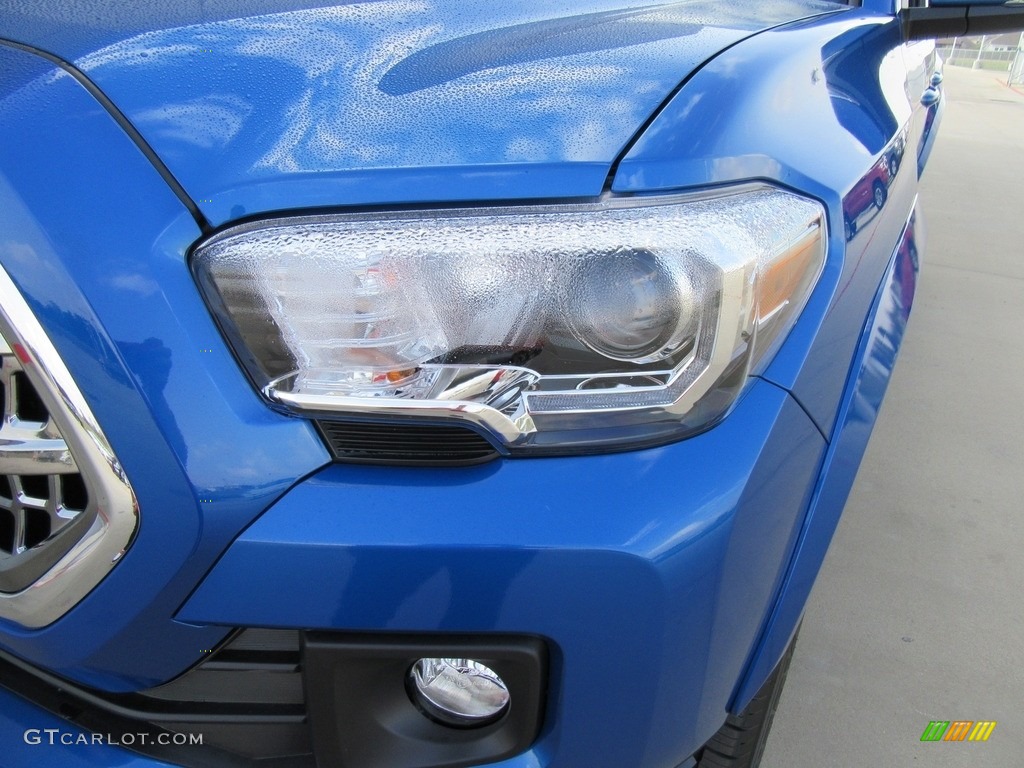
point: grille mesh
(67, 510)
(42, 494)
(406, 444)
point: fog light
(459, 692)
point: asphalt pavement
(918, 614)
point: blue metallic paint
(812, 93)
(348, 106)
(877, 347)
(755, 124)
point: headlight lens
(561, 328)
(631, 306)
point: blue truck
(426, 384)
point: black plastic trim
(362, 716)
(960, 20)
(400, 443)
(139, 721)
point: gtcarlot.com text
(55, 736)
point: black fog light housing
(394, 701)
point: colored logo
(958, 730)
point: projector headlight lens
(551, 329)
(632, 306)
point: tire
(741, 741)
(880, 195)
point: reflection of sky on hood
(301, 91)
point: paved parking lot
(919, 613)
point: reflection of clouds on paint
(209, 122)
(144, 50)
(892, 74)
(135, 283)
(337, 119)
(477, 118)
(23, 253)
(343, 119)
(302, 91)
(299, 122)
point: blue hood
(397, 101)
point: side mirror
(925, 20)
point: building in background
(999, 53)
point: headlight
(561, 328)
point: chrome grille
(67, 512)
(41, 490)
